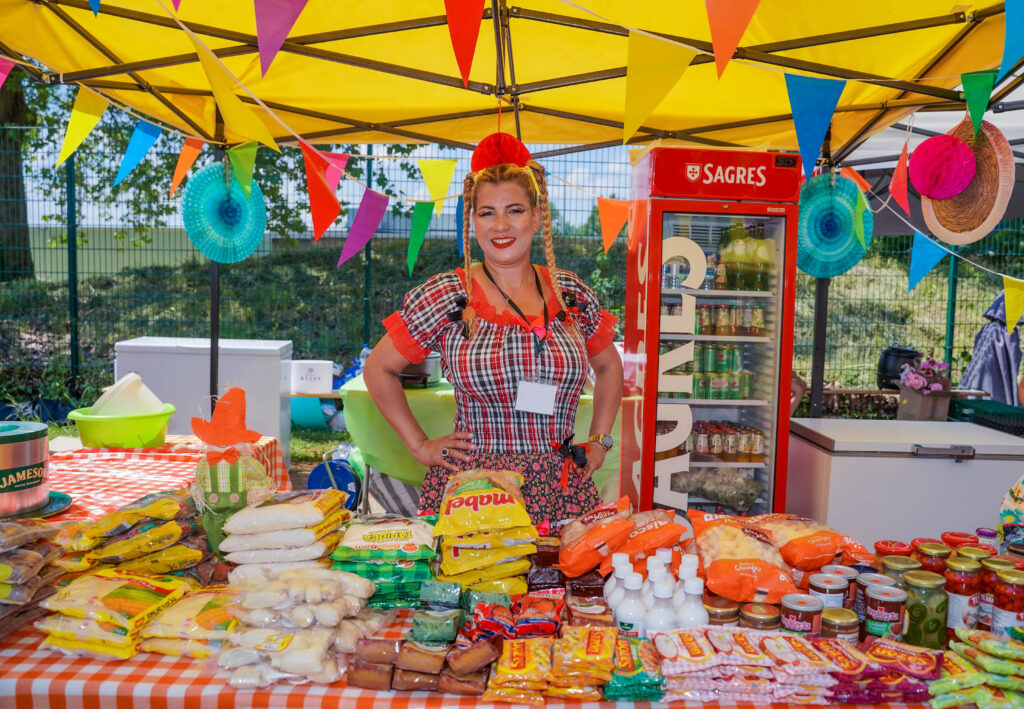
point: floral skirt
(542, 488)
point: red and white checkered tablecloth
(100, 480)
(38, 679)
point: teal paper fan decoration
(222, 223)
(827, 243)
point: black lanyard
(512, 304)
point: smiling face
(505, 220)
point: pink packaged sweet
(908, 659)
(684, 651)
(738, 646)
(816, 680)
(795, 656)
(853, 664)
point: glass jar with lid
(895, 566)
(840, 623)
(956, 539)
(801, 613)
(1008, 604)
(973, 552)
(722, 611)
(884, 612)
(1015, 549)
(963, 587)
(989, 568)
(933, 556)
(892, 547)
(927, 607)
(760, 616)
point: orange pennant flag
(189, 152)
(728, 20)
(323, 203)
(850, 173)
(614, 213)
(898, 183)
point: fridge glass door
(735, 390)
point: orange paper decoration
(464, 18)
(898, 184)
(189, 152)
(728, 20)
(614, 213)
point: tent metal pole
(72, 216)
(513, 89)
(951, 292)
(367, 253)
(218, 155)
(820, 313)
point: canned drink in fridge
(734, 385)
(736, 362)
(700, 386)
(718, 385)
(746, 385)
(722, 357)
(698, 357)
(708, 359)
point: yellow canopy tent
(385, 71)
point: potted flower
(925, 390)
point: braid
(468, 313)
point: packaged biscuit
(494, 539)
(481, 501)
(655, 529)
(587, 541)
(24, 564)
(636, 675)
(957, 674)
(585, 649)
(456, 560)
(684, 651)
(523, 661)
(808, 545)
(154, 537)
(286, 510)
(202, 615)
(19, 532)
(738, 646)
(386, 538)
(285, 538)
(124, 598)
(989, 663)
(909, 659)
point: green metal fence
(117, 265)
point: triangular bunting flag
(95, 5)
(364, 225)
(1014, 302)
(898, 183)
(977, 87)
(335, 168)
(85, 114)
(177, 4)
(243, 160)
(323, 203)
(420, 223)
(238, 118)
(437, 174)
(858, 219)
(1013, 44)
(274, 20)
(5, 68)
(925, 254)
(613, 213)
(852, 174)
(189, 152)
(464, 18)
(812, 101)
(728, 20)
(460, 206)
(653, 68)
(143, 138)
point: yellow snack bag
(159, 505)
(77, 561)
(77, 648)
(494, 539)
(481, 501)
(74, 536)
(456, 560)
(523, 660)
(499, 694)
(203, 615)
(186, 553)
(585, 649)
(468, 578)
(125, 598)
(176, 647)
(513, 586)
(87, 630)
(150, 539)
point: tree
(15, 249)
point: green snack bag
(397, 572)
(438, 595)
(637, 672)
(987, 662)
(958, 698)
(1007, 648)
(990, 698)
(472, 597)
(436, 627)
(957, 674)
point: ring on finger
(444, 452)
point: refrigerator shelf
(714, 403)
(701, 293)
(704, 501)
(725, 464)
(714, 338)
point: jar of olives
(896, 566)
(927, 606)
(1008, 604)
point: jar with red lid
(989, 569)
(1008, 604)
(848, 573)
(955, 539)
(963, 587)
(933, 556)
(892, 547)
(915, 543)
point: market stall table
(100, 480)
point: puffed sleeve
(415, 328)
(596, 323)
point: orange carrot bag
(588, 540)
(654, 529)
(808, 545)
(738, 559)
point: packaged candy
(285, 538)
(989, 663)
(76, 561)
(437, 595)
(908, 659)
(203, 615)
(398, 572)
(473, 684)
(386, 538)
(508, 586)
(474, 596)
(188, 552)
(17, 533)
(654, 529)
(539, 613)
(153, 538)
(590, 610)
(523, 661)
(456, 560)
(286, 510)
(436, 627)
(168, 505)
(121, 597)
(738, 559)
(494, 539)
(587, 540)
(494, 619)
(74, 536)
(684, 651)
(985, 641)
(499, 571)
(737, 646)
(320, 548)
(809, 545)
(22, 565)
(481, 501)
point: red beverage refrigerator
(711, 275)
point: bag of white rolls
(297, 624)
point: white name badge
(536, 398)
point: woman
(515, 342)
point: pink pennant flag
(274, 20)
(177, 4)
(5, 68)
(335, 168)
(898, 184)
(367, 219)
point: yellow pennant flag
(85, 114)
(437, 174)
(238, 118)
(1014, 301)
(653, 68)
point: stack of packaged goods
(290, 530)
(636, 676)
(907, 669)
(26, 571)
(520, 676)
(582, 663)
(101, 614)
(486, 532)
(297, 625)
(980, 668)
(394, 552)
(808, 546)
(196, 626)
(586, 541)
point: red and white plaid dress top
(485, 372)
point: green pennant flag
(858, 219)
(243, 159)
(420, 221)
(977, 89)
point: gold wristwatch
(603, 438)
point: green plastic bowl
(142, 431)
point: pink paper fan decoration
(942, 167)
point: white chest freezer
(900, 479)
(177, 369)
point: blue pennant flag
(1013, 44)
(458, 224)
(924, 255)
(95, 5)
(812, 102)
(143, 138)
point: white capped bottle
(687, 570)
(692, 612)
(621, 572)
(630, 612)
(658, 574)
(618, 558)
(666, 556)
(652, 562)
(662, 613)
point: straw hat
(974, 213)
